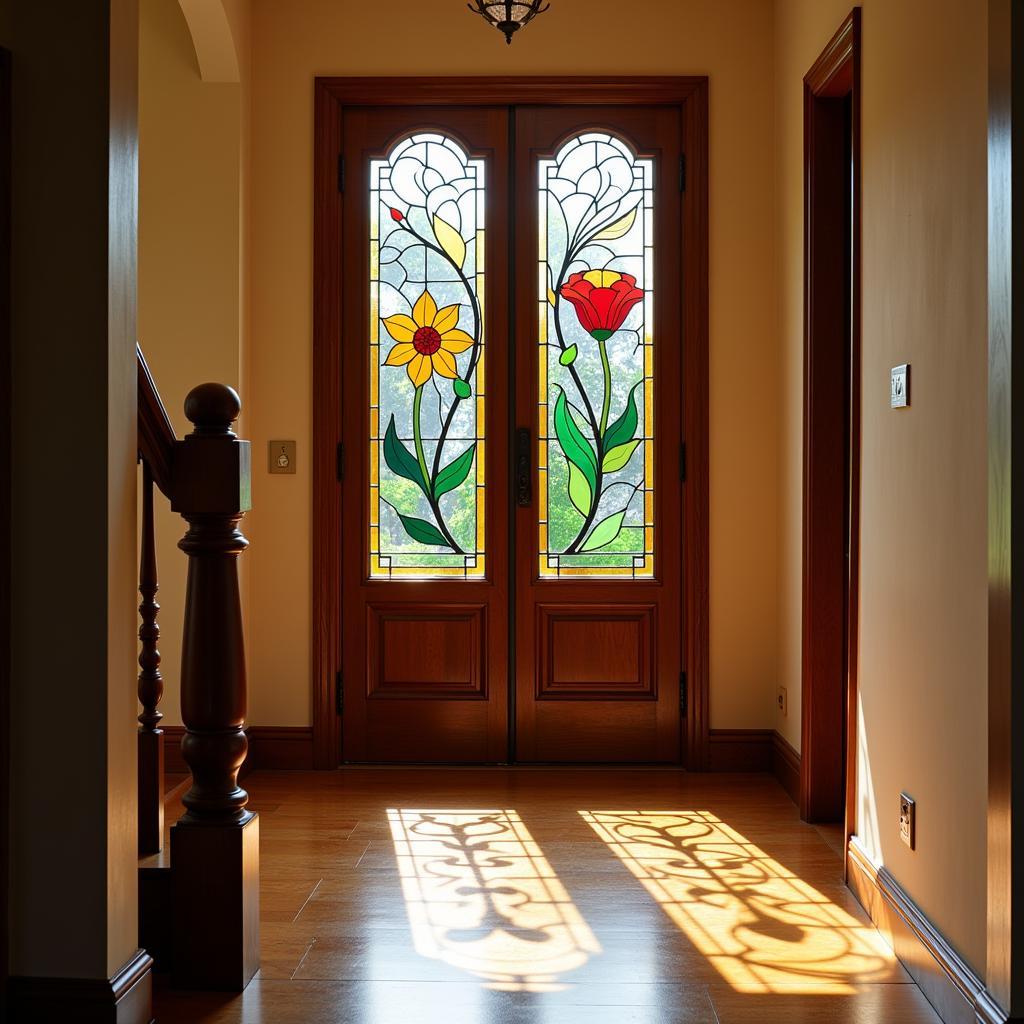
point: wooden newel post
(215, 844)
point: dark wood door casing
(831, 467)
(335, 99)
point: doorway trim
(331, 96)
(830, 585)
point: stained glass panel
(596, 415)
(426, 361)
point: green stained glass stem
(607, 401)
(420, 456)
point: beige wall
(730, 42)
(923, 603)
(191, 267)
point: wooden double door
(511, 379)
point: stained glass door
(425, 420)
(447, 526)
(598, 563)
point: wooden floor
(549, 896)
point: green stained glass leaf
(617, 457)
(581, 493)
(623, 429)
(422, 531)
(605, 532)
(455, 472)
(401, 461)
(576, 447)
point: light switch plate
(782, 699)
(281, 457)
(908, 811)
(899, 386)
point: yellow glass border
(643, 566)
(378, 562)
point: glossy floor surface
(550, 896)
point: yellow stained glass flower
(428, 341)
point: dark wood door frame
(831, 461)
(332, 95)
(5, 500)
(1004, 975)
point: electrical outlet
(782, 699)
(907, 811)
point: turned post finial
(212, 408)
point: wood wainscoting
(277, 747)
(948, 982)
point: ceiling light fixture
(508, 16)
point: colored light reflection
(762, 927)
(481, 896)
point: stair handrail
(156, 434)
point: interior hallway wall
(923, 600)
(192, 153)
(730, 42)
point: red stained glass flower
(603, 299)
(397, 215)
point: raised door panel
(599, 652)
(429, 652)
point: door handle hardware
(524, 477)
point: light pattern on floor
(481, 896)
(763, 927)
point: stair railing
(213, 939)
(156, 452)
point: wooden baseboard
(786, 766)
(950, 984)
(740, 750)
(756, 750)
(277, 747)
(990, 1012)
(126, 998)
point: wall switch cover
(907, 823)
(281, 457)
(899, 386)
